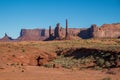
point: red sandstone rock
(59, 33)
(6, 38)
(27, 59)
(66, 36)
(32, 34)
(106, 31)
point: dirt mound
(38, 58)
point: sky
(30, 14)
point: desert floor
(42, 73)
(11, 52)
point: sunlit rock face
(106, 31)
(33, 34)
(60, 33)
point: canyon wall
(106, 31)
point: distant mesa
(33, 34)
(59, 33)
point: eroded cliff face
(106, 31)
(33, 34)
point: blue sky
(30, 14)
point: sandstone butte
(59, 33)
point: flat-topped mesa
(6, 38)
(32, 34)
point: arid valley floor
(19, 60)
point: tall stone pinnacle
(57, 30)
(5, 34)
(66, 35)
(50, 31)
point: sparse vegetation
(76, 58)
(107, 60)
(17, 59)
(69, 62)
(107, 78)
(48, 65)
(32, 47)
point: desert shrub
(66, 62)
(106, 59)
(107, 78)
(86, 60)
(98, 68)
(13, 55)
(48, 65)
(108, 64)
(23, 50)
(100, 62)
(22, 70)
(13, 64)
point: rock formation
(66, 35)
(106, 31)
(51, 34)
(50, 31)
(59, 33)
(32, 34)
(6, 38)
